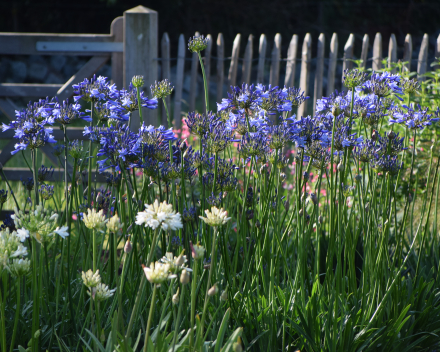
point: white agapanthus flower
(22, 234)
(215, 217)
(19, 267)
(114, 224)
(62, 231)
(197, 251)
(101, 292)
(91, 279)
(176, 263)
(10, 247)
(158, 273)
(94, 220)
(159, 215)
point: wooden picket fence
(132, 46)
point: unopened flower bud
(357, 178)
(306, 176)
(374, 135)
(287, 205)
(314, 198)
(236, 346)
(184, 277)
(128, 247)
(283, 177)
(224, 296)
(183, 146)
(340, 166)
(176, 298)
(137, 81)
(320, 219)
(257, 224)
(410, 197)
(213, 290)
(180, 260)
(249, 214)
(99, 198)
(391, 135)
(367, 207)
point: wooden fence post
(140, 53)
(392, 52)
(117, 30)
(220, 66)
(377, 52)
(166, 72)
(364, 53)
(423, 58)
(289, 80)
(207, 63)
(261, 58)
(178, 87)
(275, 64)
(407, 52)
(232, 76)
(332, 64)
(247, 62)
(437, 53)
(348, 56)
(319, 72)
(306, 55)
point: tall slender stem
(34, 172)
(150, 318)
(205, 83)
(89, 174)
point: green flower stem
(36, 294)
(137, 301)
(179, 313)
(95, 250)
(150, 317)
(138, 94)
(17, 316)
(205, 83)
(2, 320)
(193, 303)
(10, 189)
(35, 176)
(89, 174)
(211, 269)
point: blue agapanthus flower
(30, 125)
(414, 117)
(64, 113)
(383, 85)
(94, 89)
(126, 101)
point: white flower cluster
(176, 263)
(97, 290)
(215, 217)
(159, 215)
(94, 220)
(19, 267)
(158, 273)
(10, 247)
(40, 224)
(91, 279)
(114, 225)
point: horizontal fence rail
(132, 48)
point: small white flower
(94, 220)
(114, 224)
(100, 292)
(159, 215)
(91, 279)
(22, 234)
(197, 251)
(215, 217)
(19, 267)
(158, 273)
(62, 231)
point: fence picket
(423, 58)
(275, 64)
(348, 55)
(319, 73)
(207, 63)
(220, 66)
(178, 85)
(306, 54)
(377, 52)
(333, 57)
(261, 58)
(392, 52)
(232, 76)
(117, 31)
(166, 71)
(437, 52)
(289, 80)
(247, 62)
(364, 53)
(407, 52)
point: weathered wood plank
(141, 53)
(333, 59)
(117, 31)
(437, 53)
(166, 72)
(319, 72)
(178, 85)
(364, 53)
(193, 80)
(261, 58)
(207, 63)
(306, 55)
(289, 80)
(348, 55)
(28, 90)
(232, 76)
(377, 52)
(72, 133)
(274, 76)
(422, 63)
(220, 66)
(407, 52)
(5, 153)
(26, 43)
(392, 52)
(8, 108)
(87, 71)
(247, 62)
